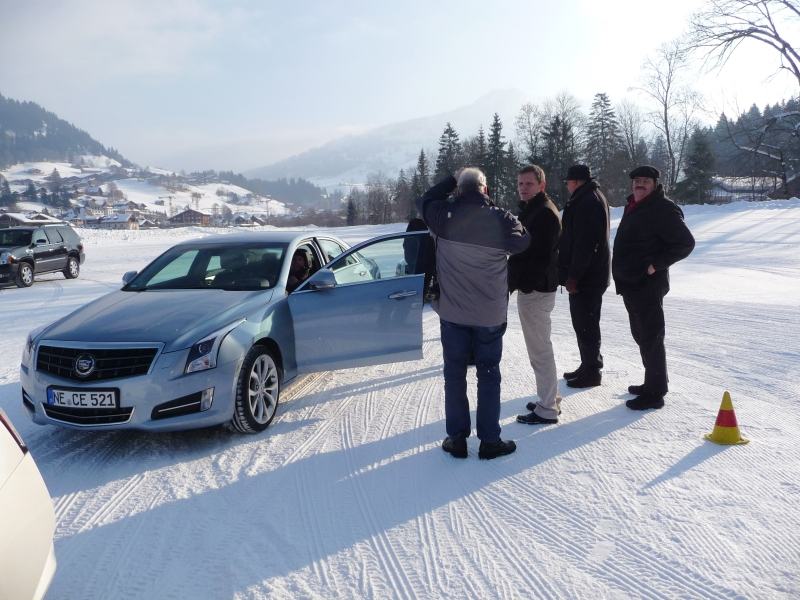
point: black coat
(583, 253)
(536, 269)
(651, 233)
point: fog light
(206, 399)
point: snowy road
(348, 494)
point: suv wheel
(25, 275)
(257, 391)
(73, 268)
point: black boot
(572, 374)
(646, 401)
(490, 450)
(637, 390)
(455, 446)
(586, 380)
(533, 419)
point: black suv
(39, 249)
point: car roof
(280, 236)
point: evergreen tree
(699, 169)
(449, 159)
(30, 192)
(659, 156)
(352, 215)
(404, 208)
(496, 160)
(512, 166)
(55, 181)
(6, 197)
(475, 150)
(423, 172)
(559, 153)
(605, 151)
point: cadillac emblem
(84, 365)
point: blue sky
(245, 83)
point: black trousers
(646, 314)
(584, 308)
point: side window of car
(330, 249)
(38, 236)
(53, 236)
(382, 259)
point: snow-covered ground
(348, 493)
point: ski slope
(348, 494)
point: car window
(330, 249)
(11, 238)
(53, 236)
(383, 259)
(228, 267)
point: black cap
(578, 173)
(645, 171)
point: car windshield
(239, 267)
(11, 238)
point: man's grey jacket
(473, 241)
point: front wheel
(73, 268)
(25, 275)
(257, 391)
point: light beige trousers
(534, 316)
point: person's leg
(584, 308)
(535, 317)
(653, 330)
(488, 348)
(456, 347)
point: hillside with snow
(348, 494)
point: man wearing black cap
(583, 268)
(651, 236)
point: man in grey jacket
(473, 241)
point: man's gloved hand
(571, 285)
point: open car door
(364, 308)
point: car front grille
(88, 416)
(110, 363)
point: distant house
(732, 189)
(190, 217)
(147, 224)
(11, 219)
(114, 222)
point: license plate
(83, 398)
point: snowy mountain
(392, 147)
(28, 132)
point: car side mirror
(324, 279)
(127, 277)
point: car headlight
(203, 354)
(30, 345)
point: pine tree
(6, 197)
(351, 212)
(605, 153)
(55, 181)
(423, 172)
(512, 166)
(404, 208)
(496, 160)
(696, 187)
(449, 158)
(30, 192)
(559, 153)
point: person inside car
(299, 270)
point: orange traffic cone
(726, 430)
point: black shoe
(531, 406)
(455, 446)
(490, 450)
(533, 419)
(586, 380)
(572, 374)
(637, 390)
(645, 401)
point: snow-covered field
(348, 493)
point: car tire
(257, 391)
(73, 268)
(24, 275)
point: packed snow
(348, 493)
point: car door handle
(401, 295)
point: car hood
(177, 318)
